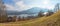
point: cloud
(9, 7)
(22, 6)
(17, 0)
(19, 6)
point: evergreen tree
(40, 14)
(50, 12)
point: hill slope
(53, 20)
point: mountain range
(29, 11)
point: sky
(21, 5)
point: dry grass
(53, 20)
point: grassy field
(53, 20)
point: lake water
(23, 15)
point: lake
(24, 15)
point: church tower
(3, 15)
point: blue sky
(21, 5)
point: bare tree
(9, 19)
(14, 18)
(3, 15)
(56, 7)
(23, 18)
(19, 18)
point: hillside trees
(40, 14)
